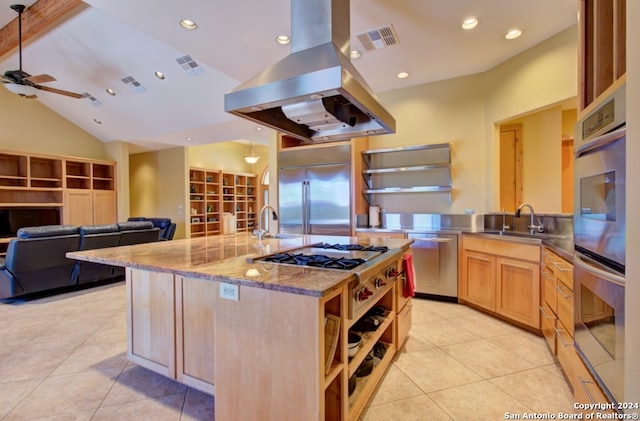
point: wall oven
(599, 236)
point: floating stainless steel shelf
(417, 189)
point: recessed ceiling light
(188, 139)
(402, 75)
(159, 75)
(283, 39)
(355, 54)
(258, 128)
(111, 92)
(188, 24)
(513, 34)
(469, 23)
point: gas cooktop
(329, 256)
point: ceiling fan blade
(58, 91)
(44, 78)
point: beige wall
(227, 156)
(533, 80)
(450, 111)
(542, 159)
(158, 186)
(29, 126)
(467, 111)
(632, 315)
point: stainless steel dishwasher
(435, 262)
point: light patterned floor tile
(419, 408)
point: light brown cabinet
(558, 320)
(502, 277)
(171, 326)
(602, 52)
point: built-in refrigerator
(314, 188)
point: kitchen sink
(537, 235)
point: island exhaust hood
(314, 94)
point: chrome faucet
(260, 232)
(532, 227)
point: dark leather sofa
(35, 262)
(167, 228)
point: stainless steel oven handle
(600, 141)
(581, 262)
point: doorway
(510, 167)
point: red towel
(407, 268)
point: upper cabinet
(411, 169)
(602, 54)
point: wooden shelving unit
(221, 202)
(82, 189)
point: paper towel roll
(374, 216)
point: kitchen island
(267, 339)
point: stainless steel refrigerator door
(329, 199)
(291, 194)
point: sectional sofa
(35, 261)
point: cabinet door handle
(548, 275)
(565, 296)
(562, 269)
(543, 312)
(559, 335)
(583, 383)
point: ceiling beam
(40, 16)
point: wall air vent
(378, 38)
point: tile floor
(64, 358)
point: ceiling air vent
(134, 84)
(189, 65)
(378, 38)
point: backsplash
(561, 224)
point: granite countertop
(228, 258)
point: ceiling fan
(21, 82)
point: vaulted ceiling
(93, 45)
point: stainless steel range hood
(315, 94)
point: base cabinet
(151, 322)
(518, 290)
(502, 277)
(171, 326)
(557, 314)
(195, 333)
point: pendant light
(251, 157)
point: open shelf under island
(213, 314)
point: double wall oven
(599, 234)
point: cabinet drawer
(404, 324)
(566, 353)
(548, 327)
(549, 291)
(565, 307)
(585, 388)
(503, 248)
